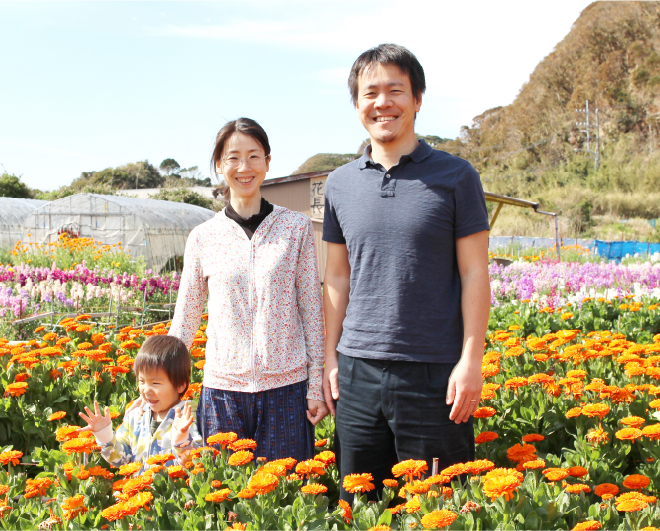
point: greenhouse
(151, 228)
(13, 211)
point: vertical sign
(317, 197)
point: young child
(164, 424)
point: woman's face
(244, 165)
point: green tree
(169, 166)
(12, 186)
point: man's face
(386, 104)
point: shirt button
(387, 175)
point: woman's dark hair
(246, 126)
(388, 54)
(168, 353)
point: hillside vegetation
(611, 57)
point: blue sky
(86, 86)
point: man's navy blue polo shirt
(400, 227)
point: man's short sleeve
(471, 212)
(331, 229)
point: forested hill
(611, 57)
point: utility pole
(587, 129)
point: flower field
(568, 431)
(568, 437)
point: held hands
(96, 422)
(464, 390)
(331, 383)
(316, 411)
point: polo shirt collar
(422, 151)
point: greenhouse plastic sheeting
(151, 228)
(618, 250)
(13, 211)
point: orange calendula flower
(240, 458)
(222, 439)
(636, 482)
(247, 494)
(391, 483)
(520, 454)
(416, 487)
(652, 432)
(633, 422)
(630, 504)
(218, 496)
(606, 490)
(479, 466)
(50, 336)
(533, 437)
(593, 410)
(501, 482)
(176, 472)
(484, 413)
(485, 436)
(358, 483)
(243, 444)
(288, 462)
(310, 466)
(274, 468)
(130, 468)
(533, 465)
(16, 389)
(410, 468)
(576, 488)
(347, 513)
(314, 489)
(412, 506)
(137, 484)
(263, 483)
(597, 435)
(588, 525)
(160, 459)
(628, 434)
(79, 445)
(37, 487)
(57, 416)
(438, 519)
(577, 471)
(12, 456)
(326, 457)
(574, 412)
(74, 506)
(321, 442)
(66, 433)
(516, 382)
(555, 474)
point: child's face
(155, 387)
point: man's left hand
(464, 390)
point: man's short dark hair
(168, 353)
(388, 54)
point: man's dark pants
(390, 411)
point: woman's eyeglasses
(252, 161)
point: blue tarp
(618, 250)
(611, 250)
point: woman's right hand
(96, 422)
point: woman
(257, 263)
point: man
(406, 288)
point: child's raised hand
(96, 422)
(182, 419)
